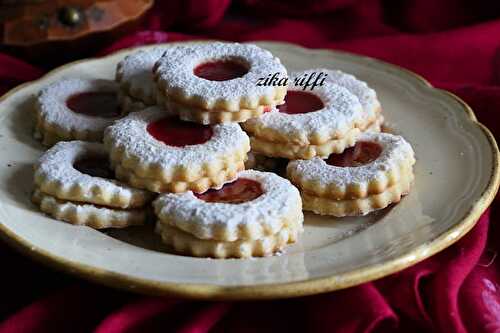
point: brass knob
(70, 16)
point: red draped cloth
(455, 44)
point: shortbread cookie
(79, 171)
(358, 206)
(201, 116)
(135, 77)
(156, 146)
(200, 185)
(376, 126)
(186, 243)
(295, 151)
(256, 205)
(377, 163)
(219, 77)
(76, 109)
(329, 112)
(366, 95)
(98, 217)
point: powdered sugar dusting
(279, 198)
(175, 71)
(51, 104)
(56, 165)
(342, 110)
(130, 133)
(366, 95)
(395, 150)
(135, 76)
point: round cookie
(217, 82)
(184, 242)
(374, 173)
(79, 171)
(97, 217)
(257, 214)
(135, 78)
(75, 109)
(73, 183)
(366, 95)
(310, 123)
(153, 149)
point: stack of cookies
(216, 83)
(74, 184)
(185, 121)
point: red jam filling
(300, 102)
(221, 70)
(95, 104)
(94, 166)
(239, 191)
(362, 153)
(175, 132)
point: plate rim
(271, 290)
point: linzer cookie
(309, 123)
(74, 184)
(217, 82)
(94, 216)
(366, 95)
(186, 243)
(155, 150)
(374, 173)
(316, 122)
(255, 215)
(135, 77)
(75, 109)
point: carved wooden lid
(28, 22)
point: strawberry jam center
(175, 132)
(239, 191)
(362, 153)
(94, 166)
(221, 70)
(300, 102)
(95, 104)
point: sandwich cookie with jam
(134, 75)
(257, 214)
(374, 173)
(153, 149)
(217, 82)
(318, 122)
(75, 109)
(74, 183)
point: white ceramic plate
(456, 179)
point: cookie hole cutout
(362, 153)
(221, 70)
(103, 104)
(297, 102)
(94, 166)
(175, 132)
(240, 191)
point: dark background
(453, 43)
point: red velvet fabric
(453, 43)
